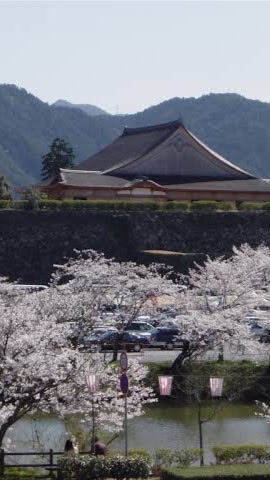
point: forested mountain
(232, 125)
(85, 107)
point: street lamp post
(124, 385)
(92, 381)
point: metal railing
(50, 456)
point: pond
(163, 426)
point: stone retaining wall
(32, 241)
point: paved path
(160, 356)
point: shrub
(226, 206)
(50, 204)
(266, 206)
(164, 457)
(215, 472)
(5, 204)
(250, 206)
(179, 458)
(182, 206)
(141, 453)
(228, 454)
(21, 204)
(203, 205)
(121, 467)
(91, 467)
(187, 456)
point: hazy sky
(128, 55)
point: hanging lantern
(165, 385)
(92, 383)
(216, 386)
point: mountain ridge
(85, 107)
(233, 126)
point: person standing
(69, 450)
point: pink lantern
(92, 383)
(165, 385)
(216, 386)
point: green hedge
(225, 472)
(119, 205)
(266, 206)
(203, 205)
(182, 206)
(251, 206)
(177, 458)
(91, 467)
(229, 454)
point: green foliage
(230, 454)
(187, 456)
(246, 379)
(59, 156)
(165, 457)
(251, 206)
(5, 204)
(4, 189)
(181, 206)
(141, 453)
(15, 473)
(118, 467)
(265, 206)
(35, 199)
(50, 204)
(32, 198)
(204, 206)
(225, 472)
(226, 206)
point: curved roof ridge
(217, 155)
(151, 128)
(211, 156)
(73, 170)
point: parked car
(127, 340)
(167, 337)
(143, 328)
(265, 336)
(256, 329)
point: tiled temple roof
(166, 153)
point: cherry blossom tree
(220, 295)
(89, 285)
(41, 371)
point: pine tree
(61, 155)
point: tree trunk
(3, 430)
(177, 364)
(200, 435)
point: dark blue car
(128, 341)
(167, 337)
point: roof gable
(162, 152)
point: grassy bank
(252, 379)
(227, 472)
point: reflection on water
(177, 427)
(162, 427)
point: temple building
(162, 162)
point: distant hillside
(88, 109)
(232, 125)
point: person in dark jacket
(98, 448)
